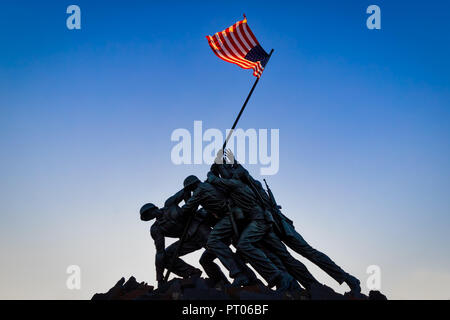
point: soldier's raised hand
(230, 156)
(219, 157)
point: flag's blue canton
(256, 54)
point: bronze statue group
(232, 208)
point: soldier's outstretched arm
(237, 166)
(175, 199)
(228, 184)
(220, 169)
(230, 157)
(192, 204)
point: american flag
(237, 44)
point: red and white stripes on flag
(237, 44)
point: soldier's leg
(251, 276)
(207, 259)
(296, 242)
(294, 267)
(272, 256)
(180, 267)
(218, 242)
(211, 268)
(246, 247)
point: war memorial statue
(235, 210)
(230, 208)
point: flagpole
(169, 269)
(243, 107)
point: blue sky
(86, 118)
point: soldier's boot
(196, 273)
(240, 280)
(222, 283)
(251, 276)
(353, 283)
(284, 282)
(295, 286)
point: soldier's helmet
(190, 181)
(148, 211)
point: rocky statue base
(201, 289)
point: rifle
(276, 223)
(275, 206)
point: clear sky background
(86, 118)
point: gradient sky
(86, 118)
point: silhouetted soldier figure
(290, 236)
(170, 222)
(258, 231)
(219, 241)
